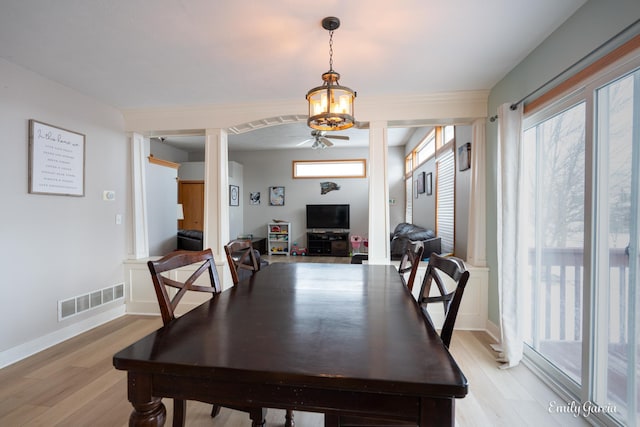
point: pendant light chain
(331, 50)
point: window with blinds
(445, 199)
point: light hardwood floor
(74, 384)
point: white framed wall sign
(56, 160)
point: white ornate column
(216, 196)
(139, 231)
(378, 194)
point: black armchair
(190, 240)
(405, 233)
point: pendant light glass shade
(331, 105)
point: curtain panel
(476, 247)
(509, 222)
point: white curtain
(510, 269)
(476, 248)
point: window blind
(445, 200)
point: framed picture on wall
(276, 196)
(464, 156)
(56, 160)
(420, 183)
(429, 184)
(254, 198)
(234, 195)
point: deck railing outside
(554, 310)
(560, 291)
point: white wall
(395, 174)
(162, 197)
(463, 189)
(191, 171)
(162, 218)
(236, 213)
(263, 169)
(167, 152)
(56, 247)
(424, 205)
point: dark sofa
(405, 233)
(190, 240)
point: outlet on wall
(109, 195)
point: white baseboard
(143, 308)
(151, 308)
(27, 349)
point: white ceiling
(172, 53)
(287, 136)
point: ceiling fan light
(320, 139)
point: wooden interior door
(191, 196)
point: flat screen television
(328, 216)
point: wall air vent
(94, 299)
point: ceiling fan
(320, 139)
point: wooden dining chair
(409, 263)
(163, 273)
(438, 268)
(243, 261)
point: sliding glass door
(581, 167)
(555, 176)
(616, 365)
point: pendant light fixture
(330, 105)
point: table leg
(179, 412)
(257, 416)
(150, 414)
(288, 419)
(437, 412)
(148, 411)
(215, 411)
(331, 420)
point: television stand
(328, 243)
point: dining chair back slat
(410, 262)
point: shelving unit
(278, 240)
(328, 243)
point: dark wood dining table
(332, 338)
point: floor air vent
(80, 304)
